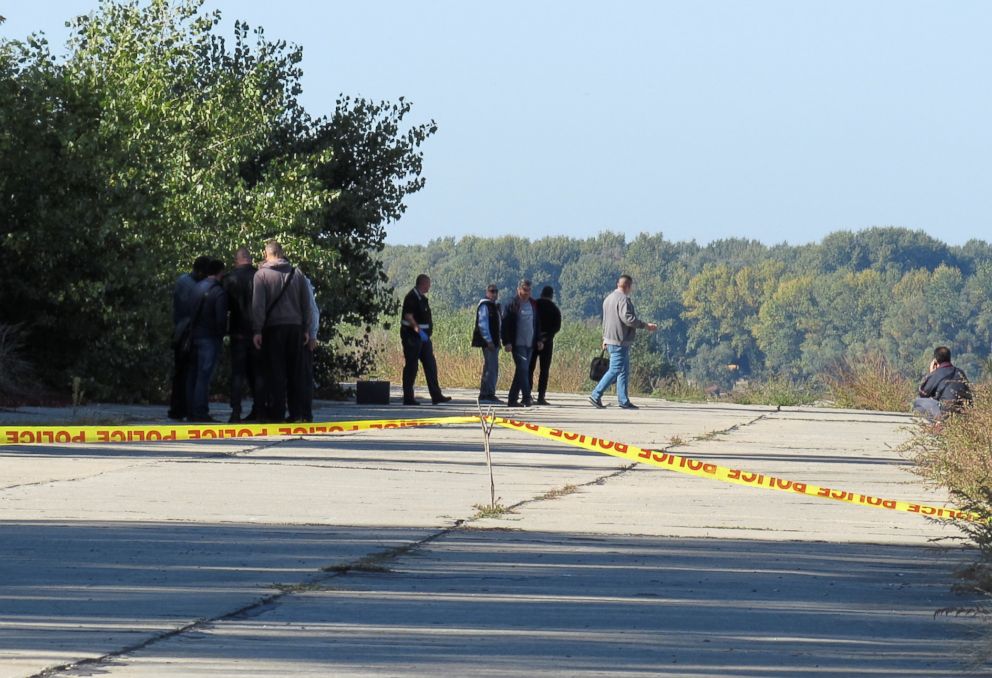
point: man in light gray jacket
(620, 323)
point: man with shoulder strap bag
(281, 319)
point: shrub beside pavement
(957, 455)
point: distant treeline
(782, 310)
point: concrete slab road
(366, 554)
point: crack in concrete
(270, 601)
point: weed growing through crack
(560, 492)
(490, 511)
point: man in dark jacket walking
(550, 318)
(280, 318)
(521, 336)
(486, 335)
(182, 295)
(209, 327)
(945, 389)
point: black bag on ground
(599, 366)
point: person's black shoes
(629, 406)
(202, 420)
(491, 401)
(597, 402)
(176, 416)
(514, 403)
(411, 402)
(235, 418)
(542, 401)
(442, 399)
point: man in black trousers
(415, 332)
(280, 318)
(550, 320)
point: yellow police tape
(42, 435)
(694, 467)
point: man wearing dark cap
(550, 319)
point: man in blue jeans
(620, 323)
(209, 309)
(521, 336)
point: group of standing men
(271, 317)
(526, 328)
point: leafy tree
(150, 143)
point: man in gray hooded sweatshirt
(280, 315)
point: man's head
(492, 292)
(942, 354)
(273, 250)
(215, 269)
(423, 283)
(548, 292)
(625, 283)
(200, 266)
(242, 257)
(523, 289)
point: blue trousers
(490, 372)
(619, 372)
(521, 374)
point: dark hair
(626, 278)
(215, 266)
(492, 288)
(942, 354)
(422, 278)
(548, 292)
(200, 266)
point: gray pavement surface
(365, 554)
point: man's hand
(652, 327)
(312, 344)
(508, 347)
(933, 364)
(540, 346)
(257, 340)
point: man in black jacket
(182, 295)
(945, 389)
(486, 335)
(246, 360)
(415, 332)
(209, 327)
(550, 318)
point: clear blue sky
(780, 121)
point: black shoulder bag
(182, 335)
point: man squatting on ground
(281, 323)
(521, 336)
(486, 335)
(415, 334)
(620, 323)
(550, 319)
(945, 389)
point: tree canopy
(789, 311)
(153, 140)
